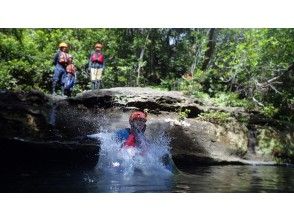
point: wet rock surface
(43, 130)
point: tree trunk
(197, 51)
(210, 49)
(140, 63)
(140, 66)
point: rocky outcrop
(34, 133)
(143, 98)
(51, 130)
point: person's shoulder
(122, 134)
(123, 130)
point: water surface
(204, 179)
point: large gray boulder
(49, 128)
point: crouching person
(70, 78)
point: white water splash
(147, 160)
(174, 122)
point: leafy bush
(189, 86)
(271, 143)
(243, 119)
(168, 84)
(201, 95)
(269, 110)
(230, 99)
(216, 117)
(183, 114)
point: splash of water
(149, 159)
(148, 168)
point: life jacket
(63, 58)
(71, 69)
(130, 142)
(97, 58)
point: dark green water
(204, 179)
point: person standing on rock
(96, 65)
(60, 61)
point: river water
(128, 171)
(204, 179)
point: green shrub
(279, 147)
(230, 99)
(183, 114)
(269, 110)
(216, 117)
(169, 84)
(201, 95)
(243, 119)
(189, 87)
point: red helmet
(138, 115)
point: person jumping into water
(134, 137)
(133, 140)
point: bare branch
(257, 102)
(274, 88)
(273, 79)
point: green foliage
(269, 110)
(247, 67)
(190, 87)
(6, 80)
(243, 119)
(242, 63)
(201, 95)
(231, 99)
(168, 84)
(216, 117)
(183, 114)
(270, 142)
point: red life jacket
(63, 58)
(130, 142)
(97, 58)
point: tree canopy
(252, 68)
